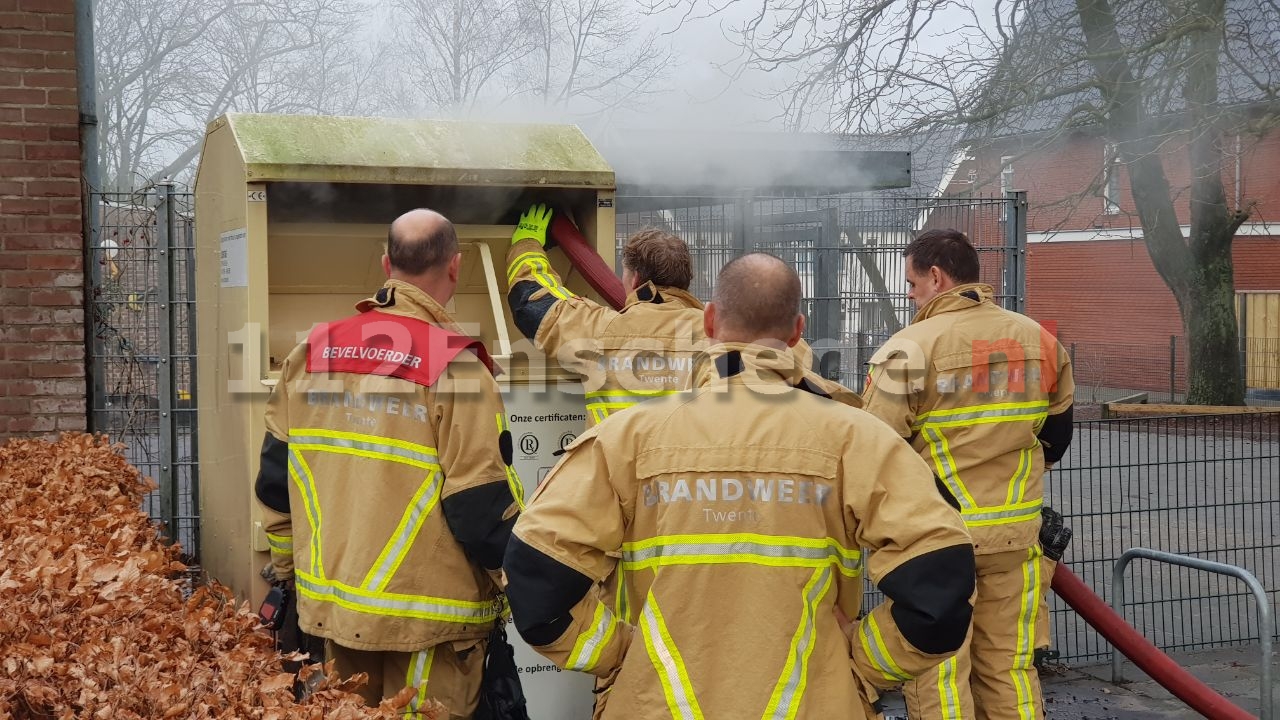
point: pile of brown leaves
(93, 623)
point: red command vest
(377, 343)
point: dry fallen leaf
(93, 620)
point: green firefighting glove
(533, 226)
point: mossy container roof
(308, 148)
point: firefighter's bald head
(757, 297)
(422, 250)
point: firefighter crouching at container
(739, 510)
(647, 349)
(388, 496)
(984, 395)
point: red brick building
(42, 323)
(1087, 265)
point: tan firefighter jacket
(388, 498)
(737, 514)
(984, 395)
(646, 350)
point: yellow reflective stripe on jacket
(874, 645)
(373, 447)
(744, 548)
(668, 663)
(419, 671)
(1003, 514)
(411, 522)
(1034, 411)
(931, 425)
(373, 602)
(280, 544)
(622, 602)
(1018, 485)
(586, 651)
(540, 270)
(945, 466)
(300, 472)
(785, 701)
(513, 479)
(603, 403)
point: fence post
(94, 261)
(1242, 335)
(1015, 275)
(165, 378)
(1173, 366)
(742, 226)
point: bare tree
(592, 55)
(167, 68)
(453, 52)
(1156, 78)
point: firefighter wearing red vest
(386, 478)
(740, 511)
(984, 395)
(645, 350)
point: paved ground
(1086, 692)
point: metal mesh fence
(1106, 372)
(142, 345)
(1206, 486)
(847, 251)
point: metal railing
(1266, 627)
(1202, 486)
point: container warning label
(234, 257)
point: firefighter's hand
(533, 226)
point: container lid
(309, 148)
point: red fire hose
(1173, 677)
(587, 261)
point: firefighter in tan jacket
(389, 497)
(646, 350)
(984, 395)
(739, 511)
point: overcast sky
(702, 93)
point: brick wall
(42, 344)
(1106, 296)
(1064, 180)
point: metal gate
(142, 345)
(847, 251)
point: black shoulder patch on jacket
(730, 364)
(1055, 435)
(811, 388)
(474, 517)
(648, 293)
(930, 594)
(272, 486)
(541, 592)
(527, 313)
